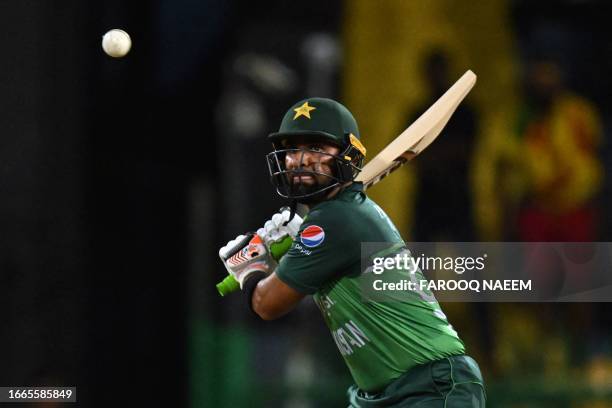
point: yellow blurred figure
(560, 134)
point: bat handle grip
(227, 285)
(277, 250)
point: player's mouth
(302, 175)
(303, 178)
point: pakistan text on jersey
(348, 337)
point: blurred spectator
(560, 133)
(443, 205)
(557, 154)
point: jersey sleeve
(322, 252)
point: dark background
(98, 156)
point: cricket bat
(418, 135)
(405, 147)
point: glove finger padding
(232, 246)
(278, 227)
(294, 225)
(277, 219)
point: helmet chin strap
(309, 201)
(292, 209)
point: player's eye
(317, 148)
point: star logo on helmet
(303, 110)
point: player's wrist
(250, 284)
(255, 269)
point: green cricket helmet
(316, 120)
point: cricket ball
(116, 43)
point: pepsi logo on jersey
(312, 236)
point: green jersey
(379, 340)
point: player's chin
(304, 188)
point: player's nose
(299, 158)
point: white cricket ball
(116, 43)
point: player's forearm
(272, 298)
(260, 302)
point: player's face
(310, 158)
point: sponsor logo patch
(312, 236)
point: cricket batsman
(400, 354)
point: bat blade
(418, 135)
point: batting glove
(244, 255)
(278, 227)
